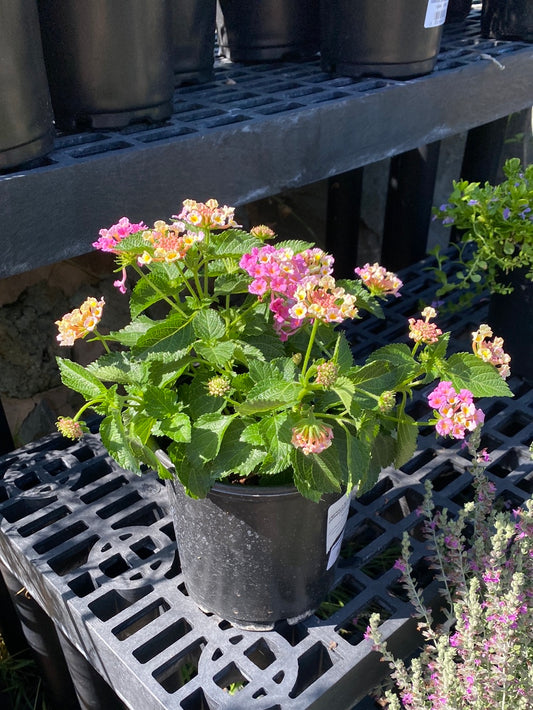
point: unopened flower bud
(386, 401)
(218, 386)
(326, 374)
(69, 428)
(297, 358)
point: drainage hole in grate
(144, 548)
(114, 566)
(103, 490)
(514, 424)
(197, 701)
(383, 561)
(162, 641)
(82, 585)
(362, 536)
(138, 621)
(168, 530)
(73, 558)
(119, 505)
(353, 629)
(55, 467)
(402, 507)
(28, 481)
(174, 569)
(506, 464)
(487, 442)
(22, 508)
(59, 537)
(526, 485)
(45, 520)
(92, 473)
(293, 634)
(84, 454)
(230, 679)
(260, 654)
(177, 672)
(234, 640)
(114, 601)
(3, 494)
(337, 599)
(147, 515)
(442, 476)
(381, 487)
(493, 409)
(311, 666)
(418, 461)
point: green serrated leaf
(466, 371)
(117, 442)
(217, 353)
(313, 476)
(206, 437)
(174, 333)
(208, 325)
(407, 440)
(345, 390)
(80, 380)
(130, 334)
(267, 396)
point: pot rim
(227, 489)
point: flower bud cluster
(79, 322)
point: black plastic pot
(458, 10)
(257, 555)
(507, 19)
(389, 38)
(26, 127)
(193, 40)
(510, 318)
(109, 62)
(268, 30)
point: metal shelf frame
(253, 132)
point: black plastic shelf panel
(251, 133)
(94, 545)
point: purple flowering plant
(495, 224)
(481, 655)
(233, 361)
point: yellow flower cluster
(79, 322)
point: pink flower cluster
(300, 286)
(455, 411)
(422, 331)
(491, 351)
(209, 215)
(378, 280)
(312, 438)
(70, 428)
(109, 238)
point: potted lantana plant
(233, 381)
(494, 253)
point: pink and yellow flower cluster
(300, 286)
(168, 242)
(109, 238)
(423, 331)
(312, 438)
(208, 215)
(378, 280)
(79, 322)
(455, 411)
(491, 351)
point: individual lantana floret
(79, 322)
(208, 215)
(455, 411)
(378, 280)
(312, 437)
(70, 428)
(326, 374)
(109, 238)
(218, 386)
(422, 331)
(491, 351)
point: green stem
(160, 293)
(309, 347)
(101, 339)
(83, 408)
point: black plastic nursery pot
(257, 555)
(26, 126)
(458, 10)
(507, 19)
(109, 62)
(388, 38)
(193, 40)
(510, 318)
(267, 30)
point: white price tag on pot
(334, 552)
(337, 516)
(435, 13)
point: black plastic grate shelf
(95, 547)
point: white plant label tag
(335, 550)
(435, 13)
(337, 517)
